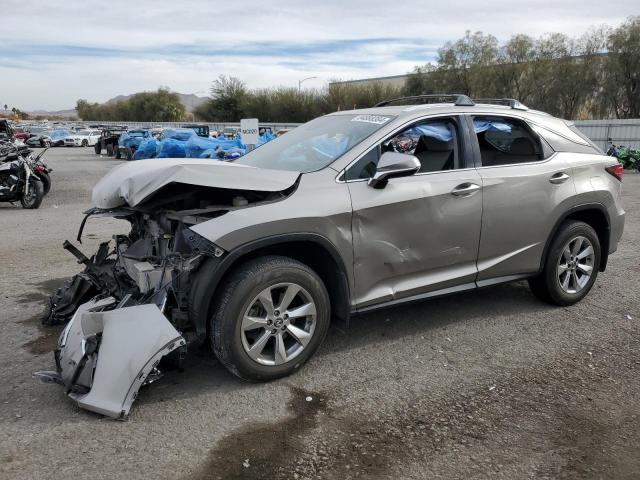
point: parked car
(39, 139)
(57, 137)
(20, 133)
(82, 138)
(201, 130)
(230, 132)
(129, 141)
(109, 140)
(349, 213)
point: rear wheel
(271, 316)
(33, 198)
(571, 266)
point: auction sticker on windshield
(377, 119)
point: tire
(129, 153)
(85, 143)
(230, 341)
(567, 288)
(37, 194)
(97, 148)
(116, 152)
(46, 182)
(109, 150)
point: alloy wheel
(576, 264)
(278, 324)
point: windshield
(315, 144)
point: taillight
(616, 170)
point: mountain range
(189, 100)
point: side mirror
(393, 165)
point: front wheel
(46, 182)
(35, 193)
(571, 266)
(85, 143)
(271, 316)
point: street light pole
(303, 80)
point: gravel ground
(490, 384)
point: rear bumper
(105, 356)
(617, 228)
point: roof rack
(455, 98)
(507, 102)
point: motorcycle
(41, 170)
(629, 157)
(18, 181)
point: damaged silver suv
(351, 212)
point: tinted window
(506, 141)
(433, 142)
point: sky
(54, 52)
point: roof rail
(507, 102)
(455, 98)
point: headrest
(522, 146)
(434, 145)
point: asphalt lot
(490, 384)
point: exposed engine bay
(134, 291)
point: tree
(622, 75)
(159, 106)
(421, 81)
(225, 104)
(461, 64)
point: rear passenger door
(524, 187)
(420, 233)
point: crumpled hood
(132, 182)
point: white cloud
(185, 45)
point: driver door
(420, 234)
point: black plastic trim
(213, 270)
(580, 208)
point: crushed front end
(126, 310)
(131, 305)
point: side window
(433, 142)
(506, 141)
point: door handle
(465, 189)
(558, 178)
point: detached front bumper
(104, 356)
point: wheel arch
(593, 214)
(312, 249)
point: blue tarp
(171, 148)
(482, 125)
(181, 134)
(133, 138)
(198, 147)
(438, 130)
(266, 137)
(146, 149)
